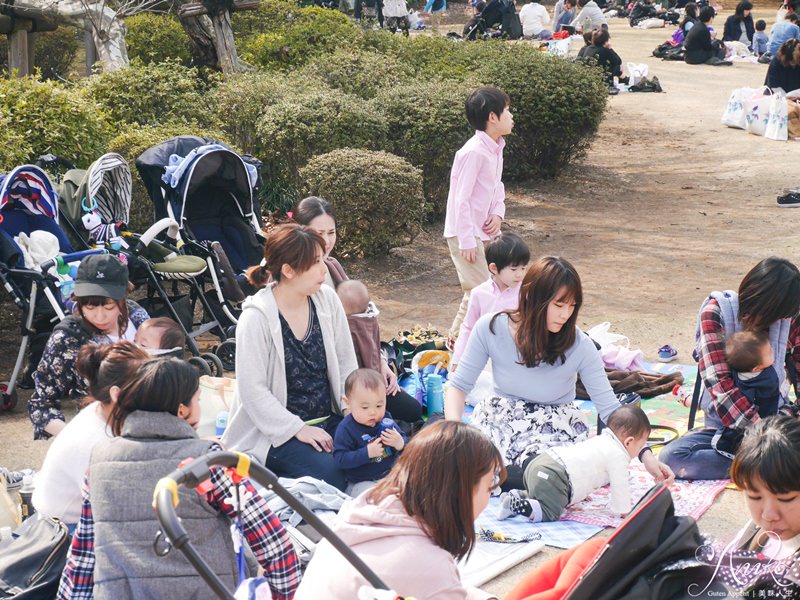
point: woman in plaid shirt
(112, 552)
(768, 300)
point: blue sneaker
(667, 353)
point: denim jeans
(692, 457)
(295, 459)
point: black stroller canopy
(207, 188)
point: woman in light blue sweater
(537, 354)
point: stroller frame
(165, 501)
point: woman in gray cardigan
(293, 354)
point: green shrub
(435, 56)
(377, 197)
(54, 119)
(284, 37)
(239, 101)
(155, 38)
(557, 105)
(427, 125)
(135, 140)
(14, 148)
(151, 94)
(361, 73)
(54, 52)
(313, 122)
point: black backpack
(651, 556)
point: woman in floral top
(102, 315)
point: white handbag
(756, 113)
(734, 115)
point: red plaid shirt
(733, 408)
(262, 530)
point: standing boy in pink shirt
(476, 202)
(508, 257)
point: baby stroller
(500, 16)
(95, 208)
(32, 273)
(210, 191)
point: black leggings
(404, 407)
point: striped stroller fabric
(109, 184)
(30, 188)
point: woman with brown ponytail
(293, 355)
(105, 368)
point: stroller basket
(165, 500)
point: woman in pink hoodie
(417, 522)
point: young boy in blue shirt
(367, 441)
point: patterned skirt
(521, 429)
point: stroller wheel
(226, 352)
(231, 332)
(9, 400)
(201, 365)
(214, 363)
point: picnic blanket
(488, 560)
(560, 534)
(691, 498)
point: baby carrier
(35, 261)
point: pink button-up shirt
(476, 189)
(484, 299)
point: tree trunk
(226, 47)
(212, 36)
(201, 39)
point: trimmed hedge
(280, 35)
(319, 120)
(362, 73)
(135, 140)
(53, 118)
(377, 197)
(427, 125)
(14, 148)
(240, 100)
(557, 105)
(155, 38)
(151, 94)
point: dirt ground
(668, 205)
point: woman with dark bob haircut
(537, 354)
(767, 470)
(768, 300)
(293, 355)
(784, 68)
(417, 522)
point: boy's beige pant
(470, 275)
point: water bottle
(386, 424)
(435, 394)
(221, 423)
(25, 495)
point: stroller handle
(165, 224)
(68, 258)
(165, 500)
